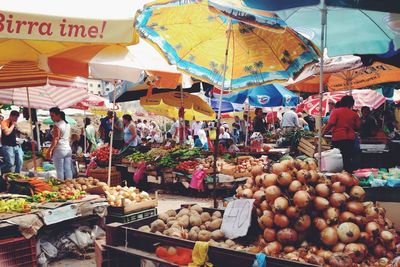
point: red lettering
(9, 24)
(2, 18)
(62, 26)
(74, 30)
(93, 31)
(31, 25)
(45, 28)
(19, 24)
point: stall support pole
(321, 79)
(84, 133)
(248, 124)
(31, 128)
(111, 135)
(229, 30)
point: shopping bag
(198, 177)
(139, 172)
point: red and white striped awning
(45, 90)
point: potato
(195, 220)
(171, 213)
(203, 227)
(145, 228)
(223, 245)
(215, 224)
(195, 228)
(217, 235)
(230, 243)
(176, 225)
(170, 223)
(213, 242)
(184, 221)
(164, 217)
(157, 225)
(95, 181)
(204, 235)
(171, 219)
(216, 214)
(182, 212)
(205, 216)
(192, 235)
(197, 208)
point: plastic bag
(97, 232)
(393, 182)
(378, 183)
(81, 239)
(48, 249)
(92, 165)
(197, 179)
(139, 172)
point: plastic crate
(18, 251)
(131, 217)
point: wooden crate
(309, 147)
(102, 175)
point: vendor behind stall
(369, 126)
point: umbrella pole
(324, 14)
(273, 119)
(84, 133)
(247, 126)
(229, 30)
(38, 136)
(31, 132)
(111, 135)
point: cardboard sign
(237, 218)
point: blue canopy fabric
(271, 95)
(349, 30)
(225, 106)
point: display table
(383, 194)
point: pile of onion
(308, 217)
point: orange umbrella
(358, 78)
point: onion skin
(281, 220)
(322, 190)
(289, 249)
(339, 247)
(386, 236)
(320, 223)
(269, 234)
(329, 236)
(361, 221)
(345, 179)
(292, 212)
(264, 205)
(269, 179)
(303, 176)
(347, 216)
(357, 193)
(303, 223)
(340, 260)
(314, 176)
(321, 203)
(284, 179)
(355, 207)
(280, 204)
(272, 192)
(267, 220)
(337, 200)
(247, 193)
(348, 232)
(366, 238)
(273, 248)
(259, 196)
(355, 251)
(331, 215)
(338, 187)
(278, 168)
(371, 213)
(301, 199)
(295, 186)
(287, 236)
(373, 229)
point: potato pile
(304, 216)
(80, 184)
(119, 196)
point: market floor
(165, 202)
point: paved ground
(165, 202)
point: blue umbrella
(226, 106)
(271, 95)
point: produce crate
(102, 175)
(119, 237)
(132, 217)
(134, 207)
(18, 251)
(308, 147)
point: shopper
(202, 141)
(90, 136)
(369, 126)
(173, 131)
(60, 150)
(12, 152)
(259, 121)
(290, 120)
(302, 122)
(344, 122)
(105, 127)
(196, 127)
(118, 133)
(131, 138)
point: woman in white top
(60, 150)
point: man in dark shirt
(12, 152)
(368, 123)
(259, 121)
(105, 127)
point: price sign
(237, 218)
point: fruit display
(187, 166)
(304, 216)
(157, 152)
(183, 153)
(137, 157)
(102, 153)
(14, 204)
(166, 162)
(80, 184)
(15, 176)
(246, 165)
(122, 196)
(56, 196)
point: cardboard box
(392, 212)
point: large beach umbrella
(49, 121)
(91, 101)
(364, 97)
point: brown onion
(387, 236)
(301, 199)
(322, 190)
(280, 204)
(259, 179)
(269, 179)
(269, 234)
(348, 232)
(347, 216)
(267, 220)
(338, 187)
(284, 179)
(247, 193)
(281, 220)
(324, 254)
(272, 192)
(337, 200)
(314, 176)
(320, 223)
(303, 176)
(289, 249)
(372, 228)
(287, 236)
(278, 168)
(257, 170)
(371, 213)
(312, 165)
(339, 259)
(357, 193)
(331, 215)
(259, 196)
(360, 221)
(302, 223)
(273, 248)
(329, 236)
(292, 212)
(379, 250)
(339, 247)
(314, 259)
(366, 238)
(345, 178)
(355, 251)
(264, 205)
(321, 203)
(295, 186)
(355, 207)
